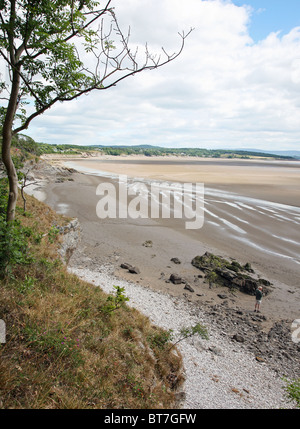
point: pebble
(219, 372)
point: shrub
(161, 338)
(13, 237)
(115, 301)
(13, 245)
(293, 391)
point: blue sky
(236, 84)
(272, 15)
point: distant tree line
(27, 146)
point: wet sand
(251, 214)
(276, 180)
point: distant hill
(208, 152)
(292, 153)
(288, 153)
(25, 143)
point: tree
(56, 51)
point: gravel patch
(219, 374)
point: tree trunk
(6, 146)
(12, 179)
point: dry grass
(63, 350)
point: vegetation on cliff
(68, 344)
(64, 347)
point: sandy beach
(251, 214)
(242, 364)
(277, 181)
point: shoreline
(108, 244)
(254, 238)
(247, 176)
(220, 373)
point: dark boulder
(230, 273)
(176, 279)
(176, 261)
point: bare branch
(100, 82)
(45, 65)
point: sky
(236, 84)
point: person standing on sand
(258, 297)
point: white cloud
(223, 91)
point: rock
(148, 243)
(204, 262)
(259, 359)
(239, 282)
(239, 338)
(258, 317)
(226, 274)
(130, 268)
(222, 296)
(249, 286)
(230, 273)
(286, 355)
(248, 267)
(216, 350)
(176, 261)
(134, 270)
(176, 279)
(188, 287)
(125, 266)
(264, 282)
(180, 397)
(70, 241)
(274, 346)
(30, 177)
(70, 170)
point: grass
(63, 349)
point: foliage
(13, 238)
(115, 301)
(26, 145)
(149, 151)
(13, 245)
(293, 390)
(161, 339)
(62, 351)
(185, 333)
(55, 53)
(53, 233)
(53, 341)
(61, 50)
(27, 285)
(211, 277)
(3, 195)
